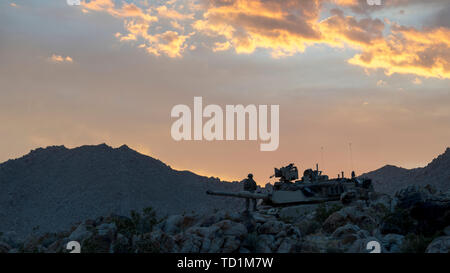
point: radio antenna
(321, 157)
(351, 155)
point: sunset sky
(342, 71)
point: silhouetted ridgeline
(389, 179)
(50, 189)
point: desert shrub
(137, 223)
(147, 245)
(309, 227)
(414, 243)
(322, 212)
(125, 226)
(399, 222)
(287, 219)
(251, 242)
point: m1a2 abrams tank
(312, 188)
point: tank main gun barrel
(241, 194)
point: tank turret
(314, 187)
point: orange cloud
(60, 59)
(288, 27)
(165, 12)
(127, 9)
(284, 28)
(409, 51)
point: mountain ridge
(51, 188)
(390, 178)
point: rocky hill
(52, 188)
(389, 179)
(416, 219)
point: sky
(342, 72)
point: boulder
(447, 231)
(231, 244)
(349, 233)
(392, 242)
(361, 246)
(265, 243)
(439, 245)
(4, 247)
(231, 228)
(350, 214)
(80, 233)
(295, 213)
(107, 230)
(287, 245)
(271, 227)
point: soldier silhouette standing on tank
(250, 185)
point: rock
(439, 245)
(294, 213)
(334, 221)
(360, 246)
(230, 228)
(307, 227)
(164, 243)
(231, 244)
(219, 216)
(377, 200)
(4, 247)
(11, 238)
(351, 214)
(447, 231)
(191, 244)
(392, 242)
(429, 207)
(58, 246)
(265, 243)
(244, 250)
(172, 224)
(398, 222)
(410, 196)
(271, 227)
(107, 230)
(316, 244)
(349, 233)
(216, 244)
(80, 233)
(121, 244)
(287, 245)
(96, 244)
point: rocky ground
(416, 219)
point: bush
(415, 243)
(399, 222)
(137, 224)
(322, 212)
(251, 242)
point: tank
(313, 187)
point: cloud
(221, 46)
(381, 83)
(126, 10)
(165, 12)
(60, 59)
(417, 81)
(285, 28)
(409, 51)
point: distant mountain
(50, 189)
(389, 179)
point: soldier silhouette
(249, 185)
